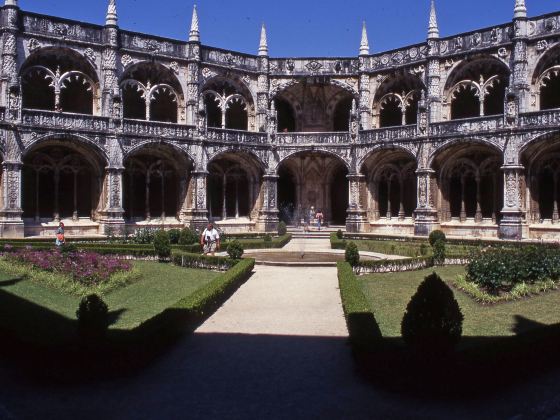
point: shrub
(435, 235)
(144, 235)
(267, 238)
(93, 316)
(162, 246)
(235, 250)
(188, 237)
(282, 229)
(174, 235)
(439, 252)
(68, 248)
(339, 234)
(423, 249)
(433, 322)
(497, 269)
(352, 256)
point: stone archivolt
(101, 127)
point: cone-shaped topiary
(433, 323)
(162, 245)
(93, 317)
(439, 252)
(352, 255)
(188, 237)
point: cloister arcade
(228, 104)
(396, 100)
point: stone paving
(276, 350)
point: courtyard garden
(490, 312)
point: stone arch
(251, 157)
(152, 92)
(316, 102)
(62, 179)
(310, 181)
(396, 99)
(229, 102)
(469, 182)
(156, 143)
(545, 79)
(476, 87)
(60, 79)
(71, 140)
(455, 142)
(390, 182)
(234, 186)
(317, 150)
(155, 182)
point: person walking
(210, 240)
(60, 240)
(319, 217)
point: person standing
(210, 240)
(60, 240)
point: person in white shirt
(210, 240)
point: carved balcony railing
(235, 136)
(143, 128)
(403, 132)
(68, 121)
(312, 138)
(467, 125)
(229, 58)
(62, 29)
(541, 118)
(152, 44)
(313, 66)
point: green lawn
(43, 314)
(389, 293)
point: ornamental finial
(433, 29)
(520, 11)
(364, 44)
(112, 18)
(194, 34)
(263, 45)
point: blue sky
(296, 28)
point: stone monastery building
(103, 127)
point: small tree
(439, 252)
(435, 235)
(339, 234)
(162, 245)
(174, 235)
(267, 238)
(235, 250)
(433, 323)
(93, 317)
(352, 255)
(282, 229)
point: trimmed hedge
(363, 329)
(336, 242)
(208, 262)
(192, 310)
(394, 266)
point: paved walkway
(276, 350)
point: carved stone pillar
(356, 215)
(433, 80)
(268, 215)
(112, 215)
(520, 63)
(192, 95)
(195, 211)
(426, 218)
(511, 225)
(9, 73)
(364, 105)
(262, 95)
(111, 97)
(11, 223)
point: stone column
(111, 96)
(364, 105)
(112, 216)
(520, 63)
(511, 225)
(426, 218)
(463, 214)
(193, 89)
(433, 80)
(356, 215)
(195, 213)
(11, 223)
(11, 93)
(262, 95)
(268, 215)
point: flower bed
(84, 267)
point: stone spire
(364, 44)
(263, 45)
(520, 11)
(112, 19)
(433, 29)
(11, 3)
(194, 34)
